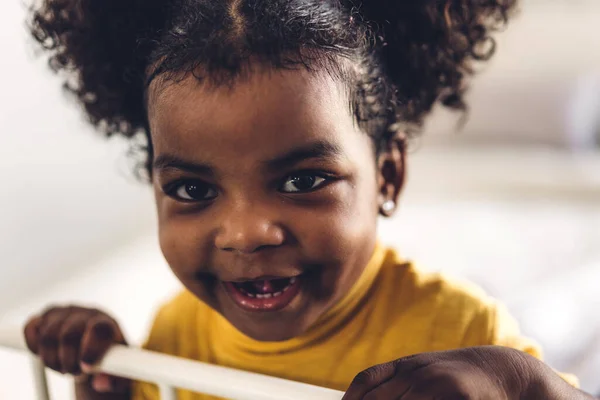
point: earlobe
(391, 173)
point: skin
(229, 142)
(224, 141)
(477, 373)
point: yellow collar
(331, 321)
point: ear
(391, 172)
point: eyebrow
(319, 150)
(170, 161)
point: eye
(302, 183)
(193, 191)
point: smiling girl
(276, 135)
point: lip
(261, 278)
(265, 304)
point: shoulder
(453, 311)
(414, 286)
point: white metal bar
(39, 378)
(198, 377)
(167, 392)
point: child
(276, 134)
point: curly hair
(406, 54)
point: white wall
(524, 94)
(64, 198)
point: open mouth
(264, 294)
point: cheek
(349, 233)
(345, 226)
(181, 239)
(340, 237)
(177, 245)
(360, 210)
(181, 242)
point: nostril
(265, 247)
(248, 235)
(249, 251)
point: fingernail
(86, 368)
(101, 383)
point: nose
(246, 230)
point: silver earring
(388, 206)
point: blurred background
(511, 201)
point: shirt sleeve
(501, 329)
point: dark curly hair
(405, 55)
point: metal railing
(170, 372)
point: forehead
(266, 113)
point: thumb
(104, 383)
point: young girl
(276, 134)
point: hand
(479, 373)
(73, 339)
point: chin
(275, 327)
(279, 335)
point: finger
(120, 385)
(104, 383)
(401, 382)
(411, 394)
(394, 388)
(31, 333)
(82, 378)
(101, 332)
(48, 343)
(368, 380)
(70, 342)
(439, 381)
(416, 392)
(408, 365)
(101, 383)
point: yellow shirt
(394, 310)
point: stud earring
(388, 206)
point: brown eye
(302, 183)
(194, 191)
